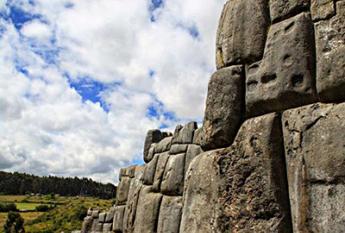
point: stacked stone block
(270, 156)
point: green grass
(66, 216)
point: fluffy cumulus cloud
(82, 81)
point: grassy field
(66, 216)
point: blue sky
(82, 81)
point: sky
(82, 81)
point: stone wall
(270, 156)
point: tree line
(22, 183)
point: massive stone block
(161, 163)
(152, 136)
(149, 171)
(330, 48)
(178, 149)
(242, 32)
(147, 211)
(285, 78)
(170, 215)
(172, 182)
(185, 134)
(224, 107)
(200, 195)
(255, 195)
(122, 190)
(192, 152)
(132, 202)
(87, 224)
(163, 145)
(284, 8)
(118, 219)
(107, 227)
(110, 215)
(314, 138)
(322, 9)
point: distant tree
(14, 223)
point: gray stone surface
(178, 149)
(314, 138)
(133, 196)
(110, 215)
(330, 50)
(95, 213)
(192, 152)
(127, 172)
(255, 195)
(200, 196)
(151, 152)
(285, 78)
(101, 217)
(163, 145)
(170, 215)
(281, 9)
(147, 211)
(197, 136)
(242, 32)
(87, 224)
(161, 163)
(122, 190)
(322, 9)
(95, 225)
(118, 218)
(99, 227)
(185, 134)
(152, 136)
(149, 171)
(224, 108)
(172, 182)
(107, 227)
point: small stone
(107, 227)
(87, 224)
(110, 215)
(172, 182)
(148, 211)
(281, 9)
(118, 218)
(101, 217)
(170, 215)
(224, 108)
(95, 213)
(322, 9)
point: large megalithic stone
(122, 190)
(147, 211)
(330, 50)
(242, 32)
(255, 192)
(173, 177)
(285, 78)
(118, 219)
(314, 138)
(224, 108)
(281, 9)
(152, 136)
(170, 215)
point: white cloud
(45, 125)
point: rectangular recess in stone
(161, 163)
(242, 32)
(281, 9)
(149, 171)
(132, 202)
(147, 211)
(185, 134)
(322, 9)
(200, 196)
(170, 215)
(224, 107)
(255, 195)
(172, 182)
(122, 190)
(285, 78)
(314, 138)
(118, 219)
(330, 50)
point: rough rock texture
(152, 136)
(201, 195)
(315, 155)
(178, 149)
(118, 218)
(147, 211)
(289, 81)
(224, 107)
(87, 224)
(162, 161)
(170, 215)
(322, 9)
(172, 182)
(192, 152)
(284, 8)
(330, 49)
(185, 134)
(255, 195)
(149, 171)
(122, 190)
(163, 145)
(107, 227)
(242, 32)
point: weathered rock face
(242, 32)
(330, 49)
(269, 157)
(255, 194)
(315, 155)
(289, 81)
(224, 107)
